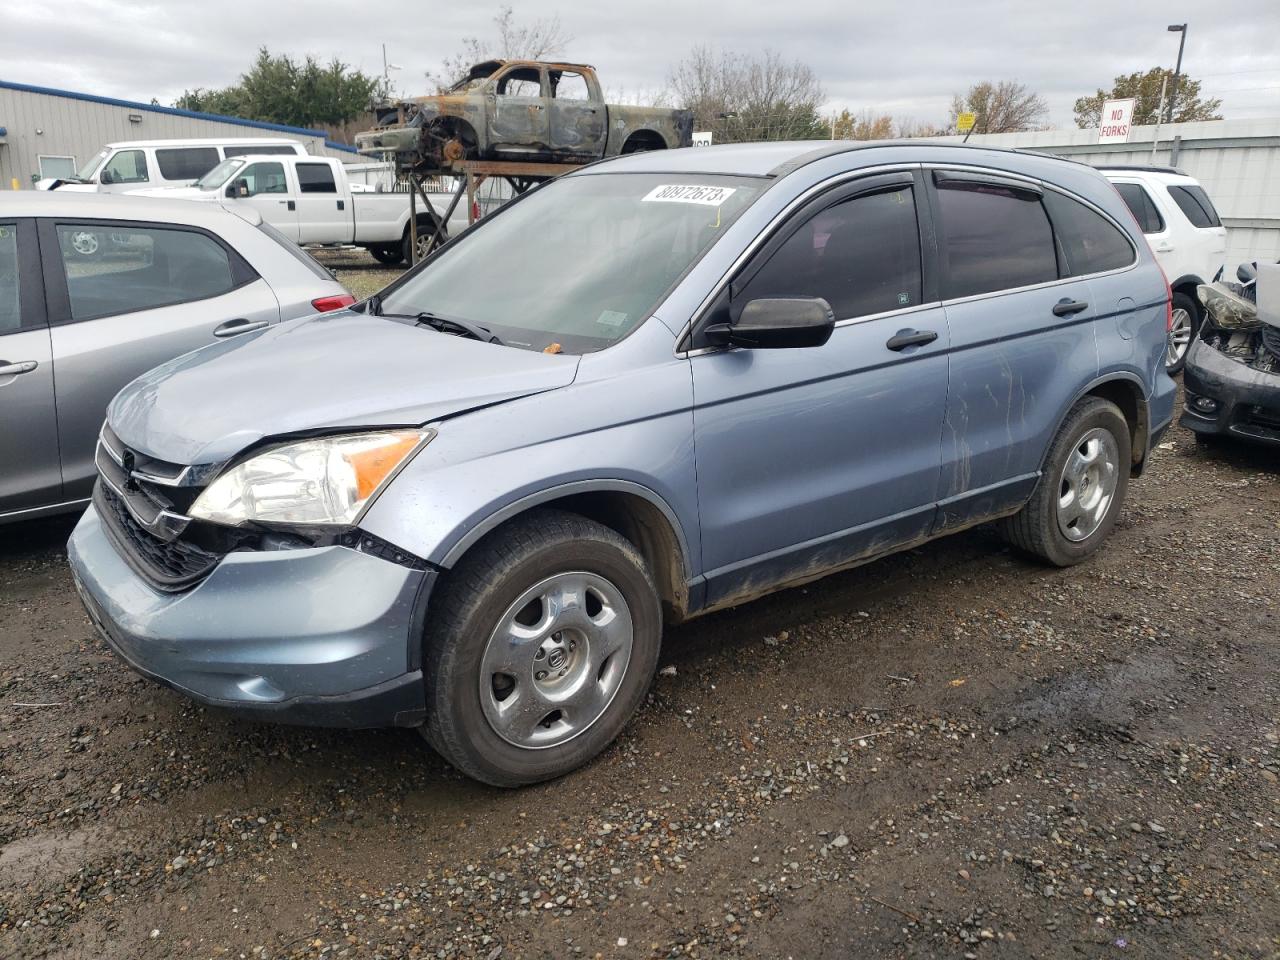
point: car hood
(321, 373)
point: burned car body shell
(1232, 377)
(509, 109)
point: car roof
(203, 142)
(778, 158)
(115, 206)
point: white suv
(1186, 234)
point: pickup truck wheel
(390, 254)
(428, 240)
(1075, 504)
(1186, 324)
(540, 646)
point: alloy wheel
(1088, 484)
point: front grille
(168, 565)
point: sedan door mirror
(777, 323)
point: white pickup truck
(310, 200)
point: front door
(159, 292)
(516, 112)
(1022, 337)
(812, 458)
(29, 475)
(265, 187)
(577, 118)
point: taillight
(325, 304)
(475, 210)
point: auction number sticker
(689, 193)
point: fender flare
(460, 541)
(1128, 376)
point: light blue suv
(662, 385)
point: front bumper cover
(1248, 400)
(322, 636)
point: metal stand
(470, 174)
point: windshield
(90, 168)
(220, 174)
(580, 263)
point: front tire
(1075, 504)
(389, 254)
(540, 646)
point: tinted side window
(316, 178)
(127, 166)
(186, 163)
(1194, 202)
(10, 314)
(139, 268)
(1141, 206)
(1091, 244)
(993, 238)
(862, 256)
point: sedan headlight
(326, 480)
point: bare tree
(910, 128)
(750, 97)
(1004, 107)
(541, 39)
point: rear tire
(428, 241)
(389, 254)
(512, 636)
(1086, 475)
(1186, 327)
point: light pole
(1177, 70)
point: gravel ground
(356, 269)
(950, 753)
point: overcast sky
(900, 58)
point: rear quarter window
(1090, 242)
(1195, 204)
(1142, 207)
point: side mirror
(107, 177)
(778, 323)
(1247, 272)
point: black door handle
(341, 205)
(289, 204)
(910, 338)
(1066, 307)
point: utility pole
(1180, 28)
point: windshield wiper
(464, 327)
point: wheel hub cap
(1088, 484)
(556, 659)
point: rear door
(577, 114)
(29, 474)
(1022, 339)
(264, 185)
(158, 292)
(323, 214)
(1155, 228)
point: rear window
(295, 251)
(186, 163)
(1090, 242)
(1194, 202)
(993, 238)
(316, 178)
(1141, 206)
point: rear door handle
(233, 327)
(910, 338)
(1066, 307)
(13, 369)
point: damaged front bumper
(1227, 397)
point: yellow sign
(965, 121)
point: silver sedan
(95, 290)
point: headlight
(327, 480)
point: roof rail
(1148, 168)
